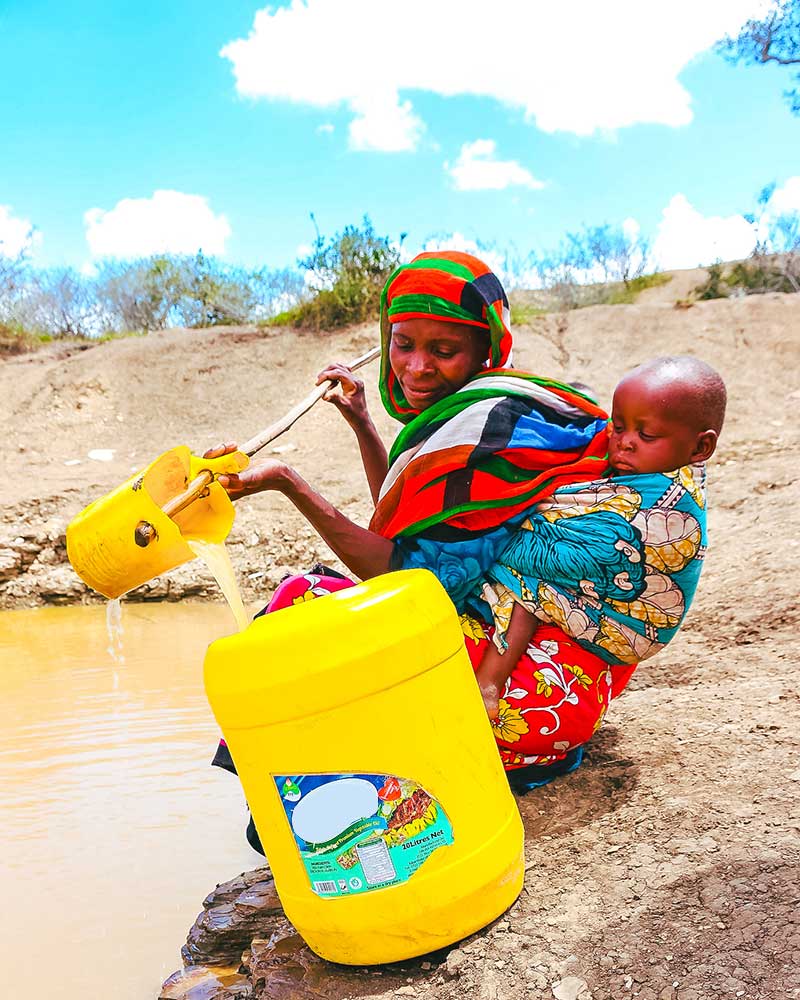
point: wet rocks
(233, 914)
(202, 983)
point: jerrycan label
(359, 832)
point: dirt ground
(668, 866)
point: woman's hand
(267, 475)
(348, 396)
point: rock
(233, 914)
(10, 564)
(283, 967)
(203, 983)
(59, 585)
(48, 557)
(572, 988)
(456, 961)
(536, 980)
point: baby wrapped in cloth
(614, 563)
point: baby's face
(646, 433)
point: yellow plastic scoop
(139, 530)
(101, 540)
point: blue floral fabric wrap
(460, 565)
(614, 563)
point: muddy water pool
(114, 826)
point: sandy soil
(668, 866)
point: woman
(481, 444)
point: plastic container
(100, 540)
(369, 764)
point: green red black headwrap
(447, 285)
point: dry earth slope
(668, 866)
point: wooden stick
(145, 532)
(280, 426)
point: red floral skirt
(555, 699)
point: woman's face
(432, 358)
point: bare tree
(774, 38)
(59, 302)
(140, 294)
(12, 275)
(622, 255)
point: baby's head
(666, 413)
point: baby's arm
(495, 668)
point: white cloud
(478, 169)
(16, 235)
(382, 123)
(685, 238)
(325, 129)
(785, 199)
(621, 68)
(169, 222)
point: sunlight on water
(113, 823)
(216, 558)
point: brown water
(114, 826)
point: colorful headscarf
(447, 285)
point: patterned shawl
(614, 563)
(479, 457)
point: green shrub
(761, 274)
(345, 276)
(628, 294)
(758, 274)
(525, 312)
(16, 339)
(715, 286)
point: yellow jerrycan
(369, 764)
(101, 540)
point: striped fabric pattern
(486, 453)
(451, 286)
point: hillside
(668, 866)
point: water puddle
(114, 825)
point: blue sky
(131, 129)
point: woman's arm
(350, 399)
(364, 552)
(495, 668)
(374, 457)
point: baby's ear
(705, 446)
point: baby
(666, 414)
